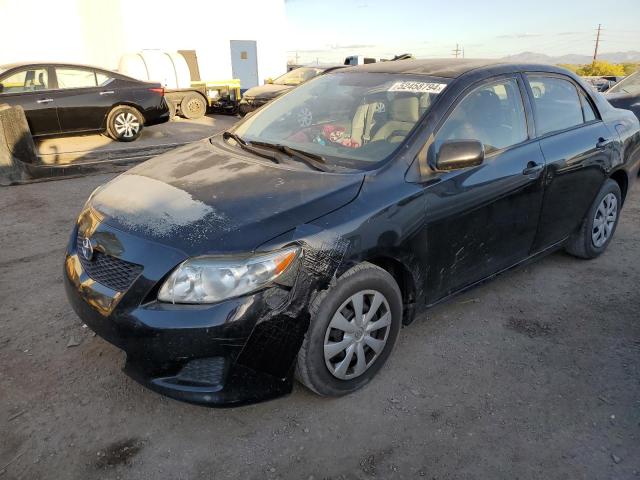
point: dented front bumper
(235, 352)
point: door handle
(603, 143)
(532, 167)
(107, 92)
(44, 100)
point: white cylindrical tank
(168, 68)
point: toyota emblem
(86, 249)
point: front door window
(28, 80)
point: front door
(31, 89)
(576, 145)
(244, 62)
(483, 219)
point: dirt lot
(535, 375)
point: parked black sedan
(257, 96)
(227, 267)
(626, 94)
(66, 99)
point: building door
(244, 62)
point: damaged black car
(297, 246)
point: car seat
(403, 115)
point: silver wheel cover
(604, 220)
(357, 334)
(126, 124)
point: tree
(629, 68)
(600, 68)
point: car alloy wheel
(357, 334)
(604, 220)
(126, 125)
(305, 117)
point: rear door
(31, 88)
(576, 144)
(483, 219)
(84, 97)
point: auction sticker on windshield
(419, 87)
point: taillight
(157, 90)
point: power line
(457, 51)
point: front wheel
(193, 106)
(354, 326)
(124, 123)
(599, 225)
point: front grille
(203, 372)
(111, 272)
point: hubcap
(126, 124)
(357, 334)
(605, 220)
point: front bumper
(247, 105)
(235, 352)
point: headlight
(212, 279)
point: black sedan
(257, 96)
(276, 250)
(68, 99)
(626, 94)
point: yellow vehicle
(221, 96)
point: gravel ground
(534, 375)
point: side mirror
(455, 154)
(268, 81)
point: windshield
(630, 85)
(297, 76)
(353, 120)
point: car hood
(208, 199)
(268, 90)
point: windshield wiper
(227, 135)
(245, 146)
(317, 162)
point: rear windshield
(630, 85)
(354, 120)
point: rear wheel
(599, 225)
(354, 326)
(193, 106)
(124, 123)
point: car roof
(10, 66)
(447, 67)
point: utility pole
(595, 52)
(457, 51)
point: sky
(330, 30)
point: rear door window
(28, 80)
(587, 109)
(556, 103)
(103, 79)
(75, 78)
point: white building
(232, 39)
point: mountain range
(631, 56)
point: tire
(594, 235)
(172, 110)
(193, 106)
(325, 376)
(124, 123)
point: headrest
(425, 101)
(405, 109)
